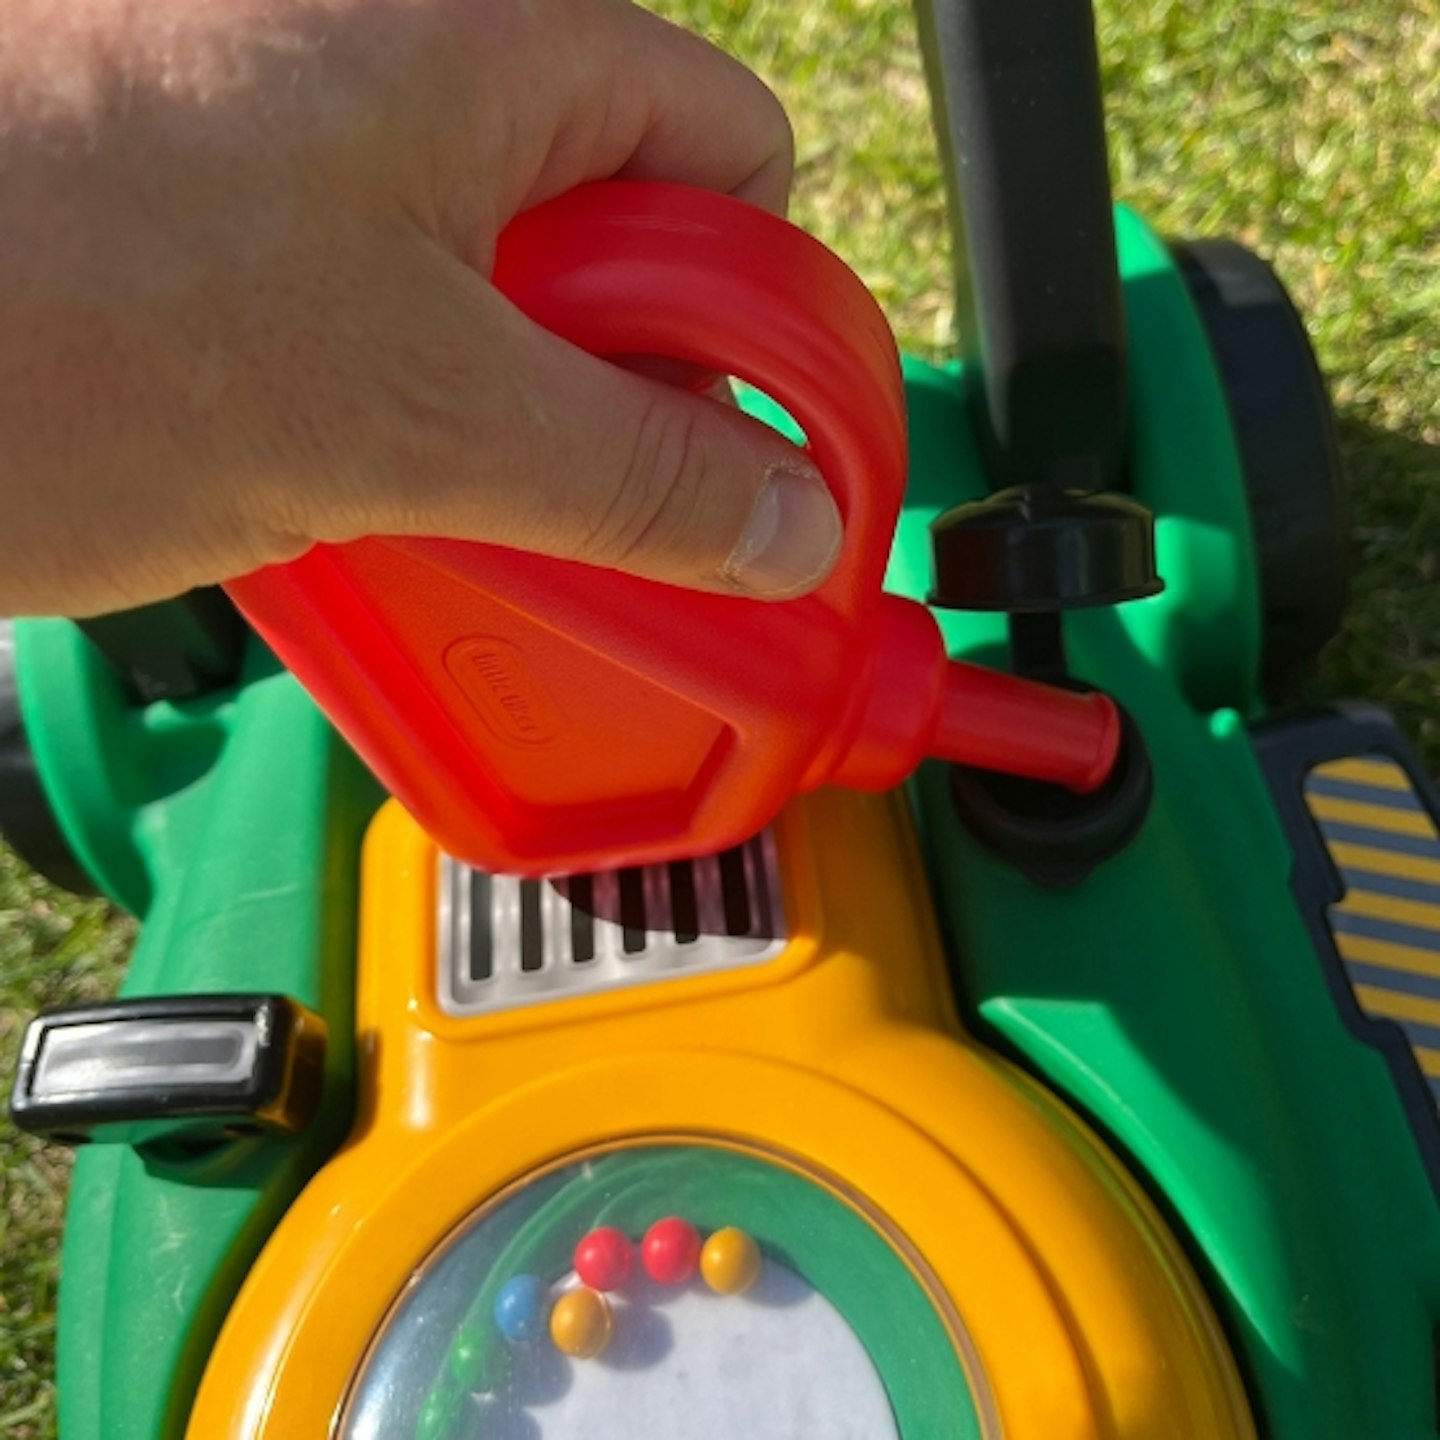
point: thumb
(543, 447)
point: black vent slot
(736, 893)
(532, 931)
(581, 892)
(506, 941)
(480, 959)
(632, 910)
(684, 908)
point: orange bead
(730, 1261)
(580, 1323)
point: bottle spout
(995, 721)
(918, 703)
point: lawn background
(1308, 129)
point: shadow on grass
(1389, 647)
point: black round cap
(1040, 548)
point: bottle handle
(624, 268)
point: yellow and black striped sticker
(1386, 845)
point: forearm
(244, 307)
(134, 176)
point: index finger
(659, 103)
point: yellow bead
(730, 1261)
(580, 1323)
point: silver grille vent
(506, 942)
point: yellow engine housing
(1073, 1309)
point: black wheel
(1285, 430)
(26, 819)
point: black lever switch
(194, 1067)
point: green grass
(54, 950)
(1305, 128)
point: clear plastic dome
(834, 1337)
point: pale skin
(244, 307)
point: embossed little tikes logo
(492, 674)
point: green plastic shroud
(1174, 997)
(231, 826)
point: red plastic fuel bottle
(541, 716)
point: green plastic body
(231, 827)
(1174, 997)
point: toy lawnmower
(681, 1052)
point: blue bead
(521, 1308)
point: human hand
(243, 308)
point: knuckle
(661, 486)
(782, 133)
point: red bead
(671, 1251)
(604, 1258)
